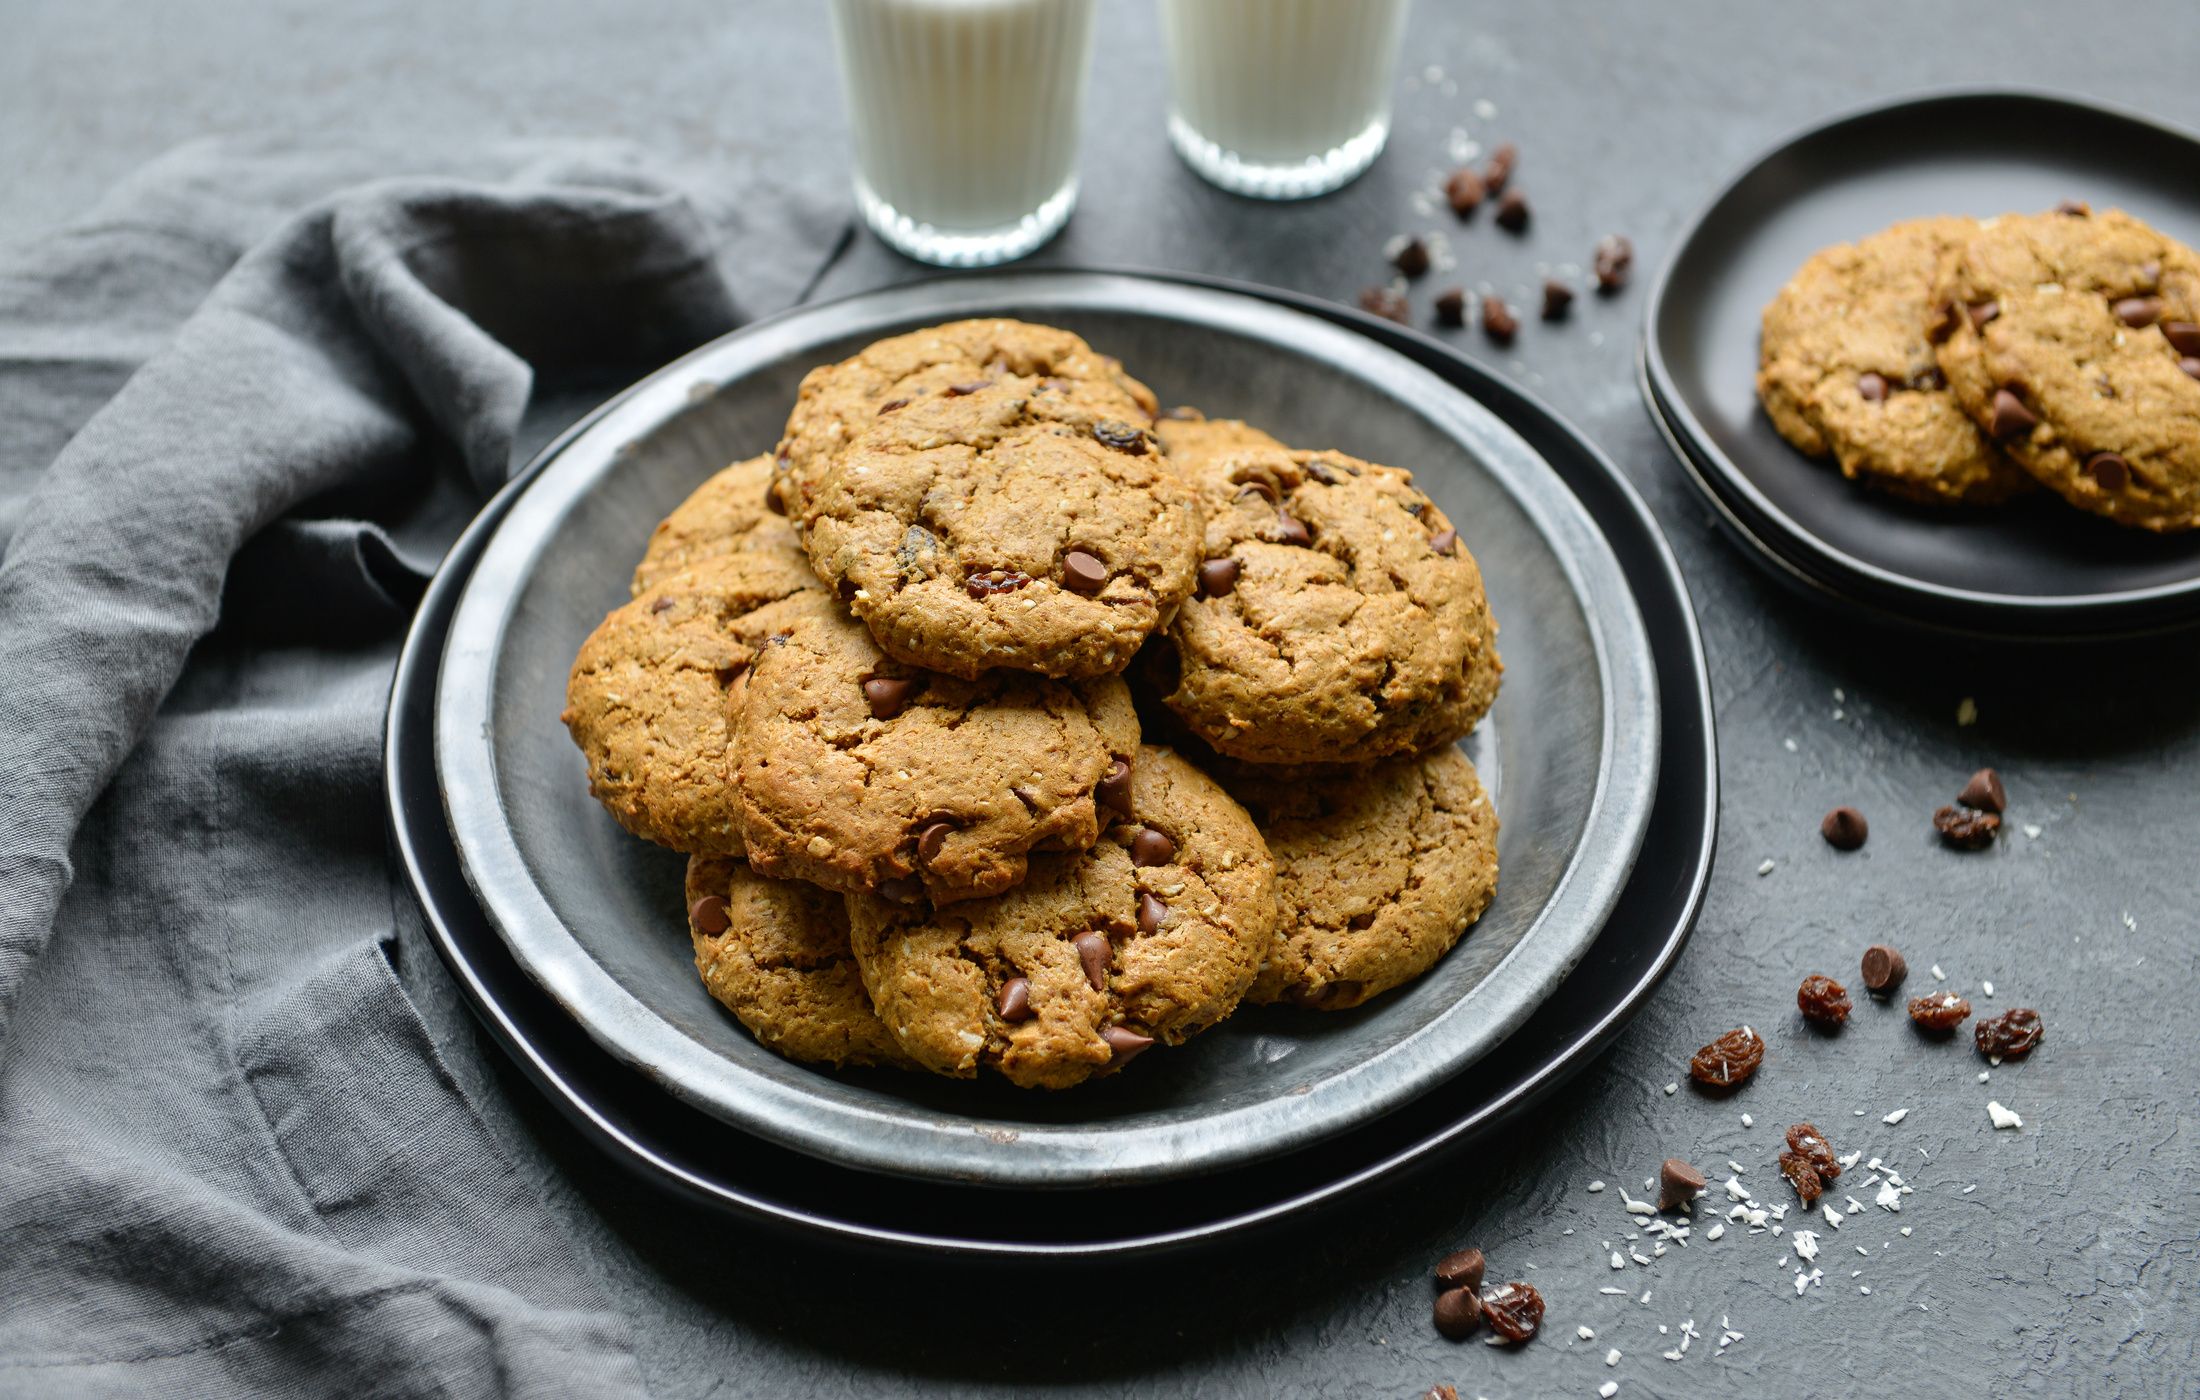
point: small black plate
(702, 1160)
(2035, 569)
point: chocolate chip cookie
(1153, 934)
(647, 700)
(1339, 617)
(729, 513)
(2073, 339)
(1845, 370)
(775, 954)
(1378, 873)
(859, 773)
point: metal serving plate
(1570, 753)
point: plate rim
(1067, 1155)
(2067, 611)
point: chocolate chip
(1883, 968)
(772, 502)
(1217, 577)
(1844, 828)
(956, 391)
(1943, 323)
(1125, 1042)
(1123, 437)
(1093, 951)
(2011, 418)
(892, 405)
(1500, 167)
(1457, 1313)
(1678, 1183)
(1291, 530)
(1388, 303)
(888, 695)
(1444, 541)
(2190, 364)
(2183, 336)
(1985, 792)
(1411, 257)
(1465, 190)
(1512, 211)
(709, 915)
(1872, 387)
(1557, 297)
(1981, 313)
(1462, 1268)
(1498, 322)
(1014, 1002)
(1083, 573)
(1965, 829)
(1151, 912)
(662, 605)
(901, 889)
(1262, 489)
(2138, 312)
(1614, 255)
(1451, 306)
(2075, 208)
(1114, 790)
(1151, 847)
(931, 839)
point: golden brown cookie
(1339, 617)
(729, 513)
(1845, 370)
(859, 773)
(1152, 935)
(775, 954)
(2073, 339)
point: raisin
(991, 581)
(2014, 1032)
(1823, 1000)
(1729, 1060)
(1388, 303)
(1966, 829)
(1513, 1311)
(1121, 436)
(1939, 1011)
(1802, 1176)
(1806, 1142)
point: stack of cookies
(895, 691)
(1952, 360)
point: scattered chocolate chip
(1451, 306)
(1512, 211)
(1388, 303)
(901, 889)
(931, 839)
(1083, 573)
(956, 391)
(2190, 364)
(1093, 951)
(1557, 297)
(1823, 1000)
(1151, 912)
(2183, 336)
(1806, 1181)
(1939, 1012)
(891, 405)
(1982, 313)
(1457, 1313)
(709, 915)
(1444, 541)
(1613, 257)
(2075, 208)
(1844, 828)
(1217, 577)
(1985, 792)
(1125, 1042)
(1943, 323)
(2138, 312)
(1498, 322)
(2011, 418)
(1122, 436)
(663, 605)
(1114, 789)
(1465, 190)
(1152, 847)
(2109, 471)
(1678, 1183)
(1884, 968)
(2014, 1032)
(1411, 257)
(888, 695)
(1729, 1060)
(1513, 1311)
(1965, 829)
(1872, 387)
(1462, 1268)
(1500, 166)
(1014, 1002)
(1291, 530)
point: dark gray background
(2070, 1269)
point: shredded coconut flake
(1595, 1186)
(1938, 975)
(1895, 1117)
(1608, 1389)
(1765, 869)
(1611, 1358)
(1748, 1122)
(2002, 1117)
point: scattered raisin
(1939, 1011)
(1388, 303)
(2014, 1032)
(1965, 828)
(1612, 258)
(1451, 307)
(1802, 1176)
(1823, 1000)
(1441, 1392)
(1729, 1060)
(1513, 1311)
(1806, 1142)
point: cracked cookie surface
(860, 773)
(728, 514)
(1152, 935)
(2073, 339)
(1339, 618)
(775, 953)
(1845, 370)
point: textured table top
(2059, 1258)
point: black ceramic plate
(2032, 569)
(701, 1159)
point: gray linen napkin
(243, 407)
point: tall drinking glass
(964, 114)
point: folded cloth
(243, 407)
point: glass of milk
(964, 114)
(1281, 99)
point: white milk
(964, 114)
(1281, 98)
